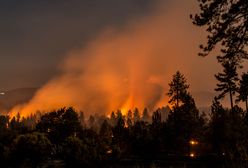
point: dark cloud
(35, 35)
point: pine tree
(129, 118)
(178, 89)
(226, 24)
(145, 115)
(227, 80)
(184, 122)
(136, 115)
(243, 90)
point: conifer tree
(227, 81)
(178, 89)
(243, 90)
(226, 24)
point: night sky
(36, 35)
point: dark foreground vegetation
(184, 138)
(177, 137)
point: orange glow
(193, 142)
(109, 151)
(128, 105)
(123, 68)
(192, 155)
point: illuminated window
(192, 155)
(193, 142)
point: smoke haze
(130, 66)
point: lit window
(193, 142)
(192, 155)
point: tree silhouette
(91, 121)
(113, 119)
(227, 80)
(136, 115)
(156, 118)
(129, 118)
(82, 118)
(227, 132)
(120, 120)
(140, 139)
(31, 148)
(85, 152)
(184, 122)
(106, 134)
(145, 115)
(243, 90)
(178, 89)
(119, 135)
(156, 129)
(75, 152)
(59, 124)
(226, 24)
(218, 127)
(4, 120)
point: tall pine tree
(227, 80)
(243, 89)
(178, 89)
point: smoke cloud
(130, 66)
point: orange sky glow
(129, 67)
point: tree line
(66, 136)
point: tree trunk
(246, 104)
(231, 99)
(177, 98)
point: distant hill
(11, 98)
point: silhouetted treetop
(227, 80)
(227, 25)
(178, 89)
(243, 89)
(59, 124)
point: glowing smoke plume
(126, 68)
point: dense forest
(185, 137)
(179, 136)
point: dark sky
(36, 35)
